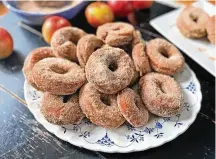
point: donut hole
(163, 52)
(66, 98)
(194, 18)
(105, 99)
(113, 66)
(161, 87)
(58, 70)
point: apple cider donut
(35, 56)
(58, 76)
(109, 70)
(192, 22)
(140, 59)
(211, 29)
(132, 107)
(61, 110)
(137, 38)
(164, 57)
(116, 34)
(161, 94)
(86, 46)
(101, 109)
(64, 42)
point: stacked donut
(93, 76)
(195, 23)
(53, 70)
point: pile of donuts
(93, 76)
(196, 23)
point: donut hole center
(163, 52)
(105, 99)
(194, 18)
(58, 70)
(113, 66)
(161, 87)
(66, 98)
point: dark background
(21, 136)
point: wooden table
(21, 136)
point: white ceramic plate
(126, 138)
(174, 4)
(170, 3)
(200, 50)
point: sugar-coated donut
(116, 34)
(109, 70)
(86, 46)
(101, 109)
(211, 29)
(140, 59)
(58, 76)
(164, 57)
(192, 22)
(161, 94)
(64, 42)
(35, 56)
(132, 107)
(59, 111)
(137, 38)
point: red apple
(51, 25)
(121, 8)
(6, 44)
(98, 13)
(142, 4)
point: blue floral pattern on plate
(126, 138)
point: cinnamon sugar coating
(132, 107)
(86, 46)
(192, 22)
(140, 59)
(110, 62)
(115, 34)
(64, 42)
(109, 70)
(58, 76)
(161, 94)
(211, 29)
(60, 112)
(101, 109)
(35, 56)
(137, 38)
(164, 57)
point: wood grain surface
(22, 137)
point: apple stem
(30, 29)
